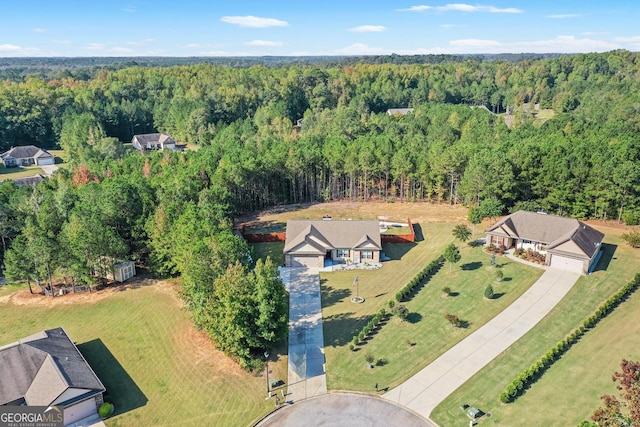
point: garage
(79, 411)
(304, 261)
(568, 264)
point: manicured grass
(427, 330)
(157, 369)
(19, 172)
(271, 249)
(570, 390)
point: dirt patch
(24, 297)
(419, 212)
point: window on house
(526, 242)
(343, 253)
(366, 254)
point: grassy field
(19, 172)
(272, 249)
(570, 390)
(403, 348)
(158, 370)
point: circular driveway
(343, 409)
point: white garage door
(79, 411)
(304, 261)
(568, 264)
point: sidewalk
(306, 376)
(429, 387)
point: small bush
(453, 319)
(401, 312)
(352, 347)
(446, 290)
(355, 341)
(105, 410)
(369, 358)
(488, 292)
(499, 274)
(632, 238)
(391, 303)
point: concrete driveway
(49, 169)
(306, 339)
(429, 387)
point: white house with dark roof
(153, 141)
(47, 369)
(568, 244)
(310, 242)
(27, 155)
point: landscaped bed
(569, 391)
(400, 349)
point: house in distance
(27, 155)
(153, 141)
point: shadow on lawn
(608, 250)
(396, 251)
(470, 266)
(331, 296)
(122, 391)
(339, 329)
(417, 229)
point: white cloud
(14, 50)
(253, 21)
(9, 47)
(39, 30)
(360, 49)
(594, 33)
(564, 16)
(62, 41)
(420, 8)
(632, 43)
(462, 7)
(368, 29)
(263, 43)
(561, 44)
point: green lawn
(427, 329)
(271, 249)
(19, 172)
(570, 390)
(157, 369)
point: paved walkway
(306, 340)
(429, 387)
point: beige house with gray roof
(310, 242)
(47, 369)
(568, 244)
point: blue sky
(329, 27)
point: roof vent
(542, 212)
(326, 218)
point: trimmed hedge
(518, 384)
(431, 268)
(375, 320)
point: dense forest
(249, 149)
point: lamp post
(266, 356)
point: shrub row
(424, 274)
(366, 329)
(514, 389)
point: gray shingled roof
(41, 367)
(154, 138)
(325, 235)
(26, 152)
(401, 111)
(550, 229)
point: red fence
(265, 237)
(400, 238)
(281, 236)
